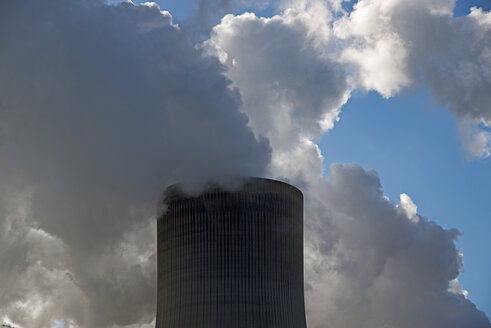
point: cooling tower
(229, 259)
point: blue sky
(422, 157)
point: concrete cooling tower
(230, 259)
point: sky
(377, 110)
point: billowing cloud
(291, 91)
(373, 263)
(395, 44)
(369, 261)
(101, 107)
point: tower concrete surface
(231, 258)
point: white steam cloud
(393, 44)
(369, 262)
(103, 106)
(382, 264)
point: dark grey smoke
(101, 107)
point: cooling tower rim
(175, 191)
